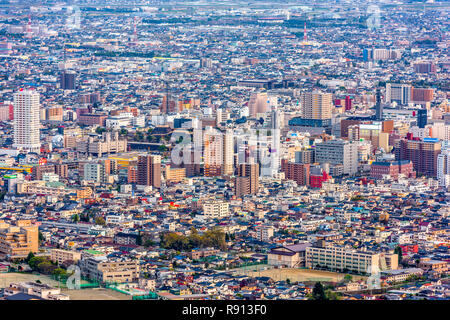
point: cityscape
(224, 150)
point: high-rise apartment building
(6, 111)
(425, 67)
(67, 80)
(348, 103)
(339, 152)
(443, 168)
(228, 152)
(213, 152)
(377, 54)
(305, 156)
(95, 172)
(149, 170)
(247, 179)
(317, 105)
(27, 121)
(422, 95)
(297, 172)
(399, 93)
(423, 154)
(18, 239)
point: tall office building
(247, 179)
(149, 170)
(399, 93)
(422, 118)
(67, 80)
(317, 105)
(443, 168)
(378, 106)
(339, 152)
(27, 121)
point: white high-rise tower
(26, 121)
(443, 168)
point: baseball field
(300, 275)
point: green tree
(46, 267)
(40, 237)
(100, 221)
(100, 130)
(149, 243)
(348, 278)
(29, 257)
(318, 292)
(123, 132)
(59, 272)
(398, 251)
(332, 295)
(35, 261)
(75, 218)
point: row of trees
(87, 218)
(125, 54)
(211, 238)
(321, 293)
(43, 265)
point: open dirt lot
(300, 275)
(95, 294)
(7, 278)
(82, 294)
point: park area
(300, 275)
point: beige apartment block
(60, 256)
(18, 239)
(340, 259)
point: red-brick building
(392, 168)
